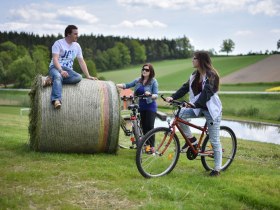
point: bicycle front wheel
(161, 157)
(229, 145)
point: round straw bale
(88, 121)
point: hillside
(266, 70)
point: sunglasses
(146, 70)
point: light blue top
(152, 87)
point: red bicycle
(167, 147)
(132, 125)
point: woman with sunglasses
(202, 87)
(148, 85)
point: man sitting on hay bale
(64, 51)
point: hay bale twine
(88, 121)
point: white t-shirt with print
(67, 52)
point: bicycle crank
(190, 154)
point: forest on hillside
(24, 55)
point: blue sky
(253, 25)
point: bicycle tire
(137, 131)
(229, 146)
(125, 143)
(155, 164)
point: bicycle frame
(136, 131)
(163, 157)
(203, 129)
(176, 124)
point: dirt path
(266, 70)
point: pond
(243, 130)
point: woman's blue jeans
(213, 130)
(58, 80)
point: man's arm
(58, 66)
(56, 63)
(84, 68)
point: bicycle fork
(172, 133)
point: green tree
(6, 59)
(3, 75)
(164, 50)
(137, 52)
(91, 68)
(101, 60)
(21, 51)
(184, 47)
(212, 52)
(10, 48)
(124, 54)
(227, 46)
(114, 58)
(278, 44)
(90, 65)
(23, 70)
(88, 53)
(40, 56)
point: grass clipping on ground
(88, 121)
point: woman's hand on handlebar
(168, 99)
(147, 93)
(153, 96)
(189, 105)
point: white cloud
(180, 4)
(267, 7)
(37, 28)
(275, 31)
(51, 13)
(78, 13)
(243, 33)
(32, 12)
(143, 23)
(14, 26)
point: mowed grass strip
(171, 74)
(33, 180)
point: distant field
(172, 73)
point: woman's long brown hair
(152, 73)
(205, 63)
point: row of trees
(110, 52)
(23, 55)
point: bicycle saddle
(133, 106)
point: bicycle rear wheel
(137, 131)
(126, 143)
(229, 146)
(164, 157)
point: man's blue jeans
(58, 80)
(213, 130)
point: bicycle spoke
(163, 159)
(228, 142)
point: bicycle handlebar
(178, 103)
(174, 102)
(143, 96)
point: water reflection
(243, 130)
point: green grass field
(34, 180)
(248, 107)
(171, 74)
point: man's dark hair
(68, 29)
